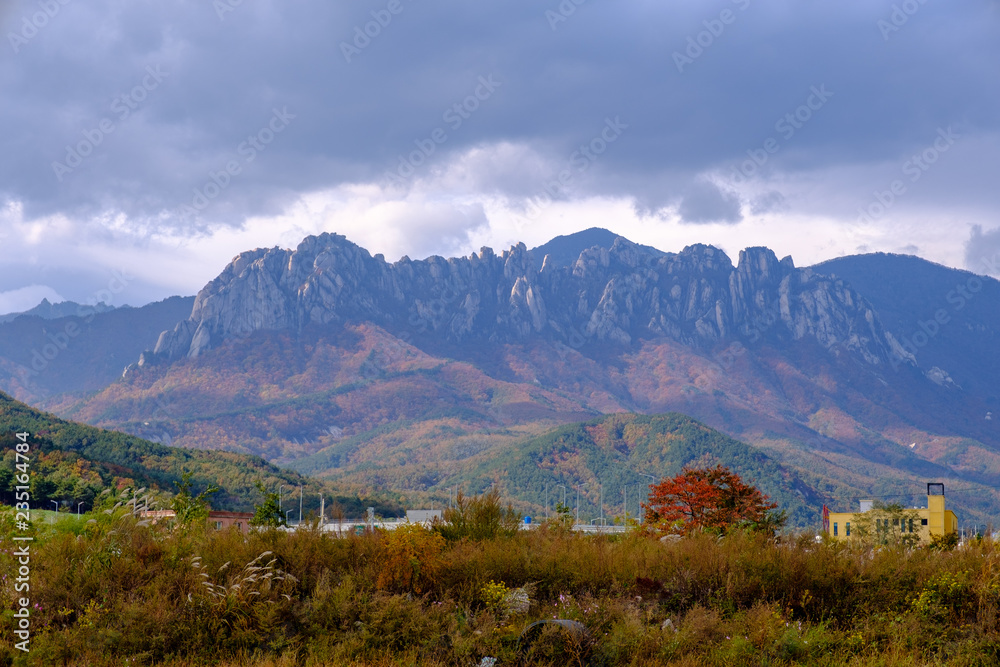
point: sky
(145, 143)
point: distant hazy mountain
(51, 311)
(42, 357)
(948, 319)
(411, 375)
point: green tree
(42, 490)
(564, 515)
(480, 518)
(190, 509)
(7, 475)
(269, 512)
(887, 525)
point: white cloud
(26, 298)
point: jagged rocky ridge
(614, 294)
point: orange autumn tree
(713, 499)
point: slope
(73, 463)
(614, 458)
(947, 318)
(406, 375)
(565, 250)
(44, 358)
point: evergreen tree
(190, 509)
(269, 512)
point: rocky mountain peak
(617, 292)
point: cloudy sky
(144, 143)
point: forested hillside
(73, 463)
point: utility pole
(322, 510)
(300, 503)
(279, 496)
(577, 503)
(647, 493)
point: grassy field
(109, 590)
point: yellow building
(923, 523)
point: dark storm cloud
(705, 202)
(199, 133)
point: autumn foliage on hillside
(712, 499)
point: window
(847, 528)
(834, 528)
(911, 525)
(923, 522)
(218, 525)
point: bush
(479, 518)
(410, 559)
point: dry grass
(116, 592)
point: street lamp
(564, 494)
(300, 503)
(647, 494)
(280, 486)
(577, 504)
(57, 504)
(602, 503)
(287, 512)
(78, 509)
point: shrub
(479, 518)
(410, 559)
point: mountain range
(865, 376)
